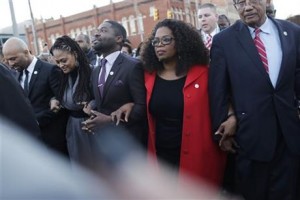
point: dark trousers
(272, 180)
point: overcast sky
(45, 9)
(55, 8)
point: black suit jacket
(13, 104)
(124, 84)
(237, 75)
(43, 85)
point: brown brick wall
(48, 31)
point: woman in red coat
(176, 78)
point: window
(132, 25)
(125, 23)
(140, 23)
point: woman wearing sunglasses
(176, 78)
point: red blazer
(200, 157)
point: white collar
(111, 58)
(213, 33)
(30, 68)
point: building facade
(137, 16)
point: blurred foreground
(120, 171)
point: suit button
(188, 133)
(185, 151)
(188, 96)
(188, 116)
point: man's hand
(55, 105)
(227, 130)
(228, 145)
(122, 113)
(86, 108)
(97, 119)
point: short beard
(104, 47)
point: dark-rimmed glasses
(240, 5)
(164, 40)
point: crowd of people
(219, 104)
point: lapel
(112, 74)
(149, 83)
(244, 38)
(194, 73)
(283, 36)
(34, 75)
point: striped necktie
(208, 41)
(261, 49)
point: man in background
(223, 22)
(208, 19)
(270, 10)
(85, 44)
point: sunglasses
(164, 40)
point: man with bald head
(40, 82)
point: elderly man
(255, 65)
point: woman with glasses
(176, 78)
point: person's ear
(26, 52)
(119, 39)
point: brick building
(137, 16)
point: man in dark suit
(123, 80)
(40, 81)
(255, 67)
(13, 104)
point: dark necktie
(101, 80)
(26, 87)
(261, 49)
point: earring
(76, 64)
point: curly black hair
(188, 43)
(82, 91)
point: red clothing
(200, 156)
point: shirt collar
(266, 27)
(213, 33)
(30, 68)
(111, 58)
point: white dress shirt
(111, 58)
(30, 69)
(270, 37)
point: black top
(166, 106)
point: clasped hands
(227, 130)
(98, 119)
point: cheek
(172, 50)
(71, 65)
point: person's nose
(11, 63)
(60, 65)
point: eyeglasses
(240, 5)
(164, 40)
